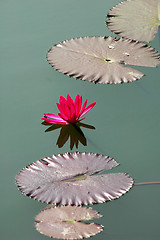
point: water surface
(126, 117)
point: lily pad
(64, 222)
(102, 59)
(73, 179)
(135, 19)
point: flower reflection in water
(72, 131)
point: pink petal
(62, 111)
(62, 99)
(87, 109)
(71, 108)
(63, 103)
(84, 105)
(50, 115)
(54, 121)
(78, 104)
(62, 107)
(81, 119)
(62, 123)
(61, 115)
(69, 100)
(67, 110)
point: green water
(126, 117)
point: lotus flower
(70, 111)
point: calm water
(126, 117)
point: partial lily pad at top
(102, 59)
(135, 19)
(64, 222)
(73, 179)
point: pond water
(126, 117)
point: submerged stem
(146, 183)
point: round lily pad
(73, 179)
(64, 222)
(135, 19)
(102, 59)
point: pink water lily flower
(70, 111)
